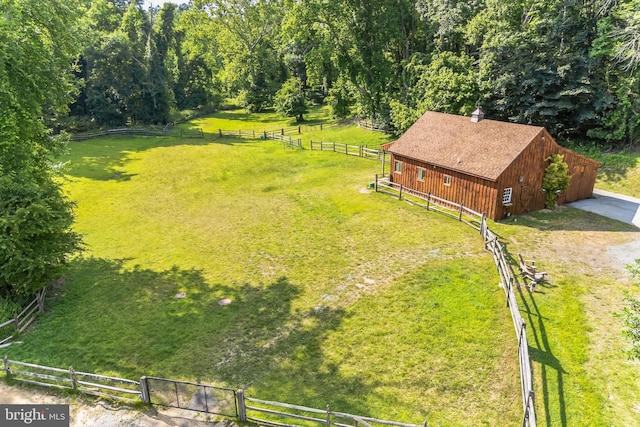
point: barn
(492, 167)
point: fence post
(144, 389)
(361, 151)
(328, 416)
(509, 287)
(40, 300)
(7, 369)
(320, 125)
(376, 183)
(400, 196)
(460, 216)
(16, 322)
(428, 199)
(242, 407)
(523, 326)
(220, 132)
(72, 375)
(334, 147)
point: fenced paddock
(507, 279)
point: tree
(37, 48)
(289, 100)
(246, 31)
(556, 178)
(448, 84)
(631, 315)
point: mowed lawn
(337, 295)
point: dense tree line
(569, 65)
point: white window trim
(447, 180)
(397, 166)
(423, 172)
(507, 194)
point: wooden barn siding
(530, 165)
(475, 193)
(583, 173)
(485, 196)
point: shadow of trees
(174, 324)
(105, 159)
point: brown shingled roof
(483, 149)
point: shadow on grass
(105, 159)
(539, 347)
(113, 320)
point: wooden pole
(242, 406)
(72, 376)
(376, 183)
(7, 369)
(144, 388)
(400, 196)
(328, 416)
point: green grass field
(338, 295)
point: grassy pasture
(333, 130)
(338, 296)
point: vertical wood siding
(524, 176)
(473, 192)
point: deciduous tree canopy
(571, 66)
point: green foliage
(447, 84)
(556, 178)
(37, 47)
(36, 237)
(290, 100)
(631, 315)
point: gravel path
(102, 414)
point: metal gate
(191, 396)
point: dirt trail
(87, 412)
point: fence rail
(122, 131)
(85, 382)
(22, 320)
(309, 415)
(184, 395)
(350, 150)
(369, 125)
(507, 280)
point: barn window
(422, 174)
(397, 166)
(506, 196)
(447, 180)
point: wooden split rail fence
(188, 396)
(507, 279)
(22, 320)
(350, 150)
